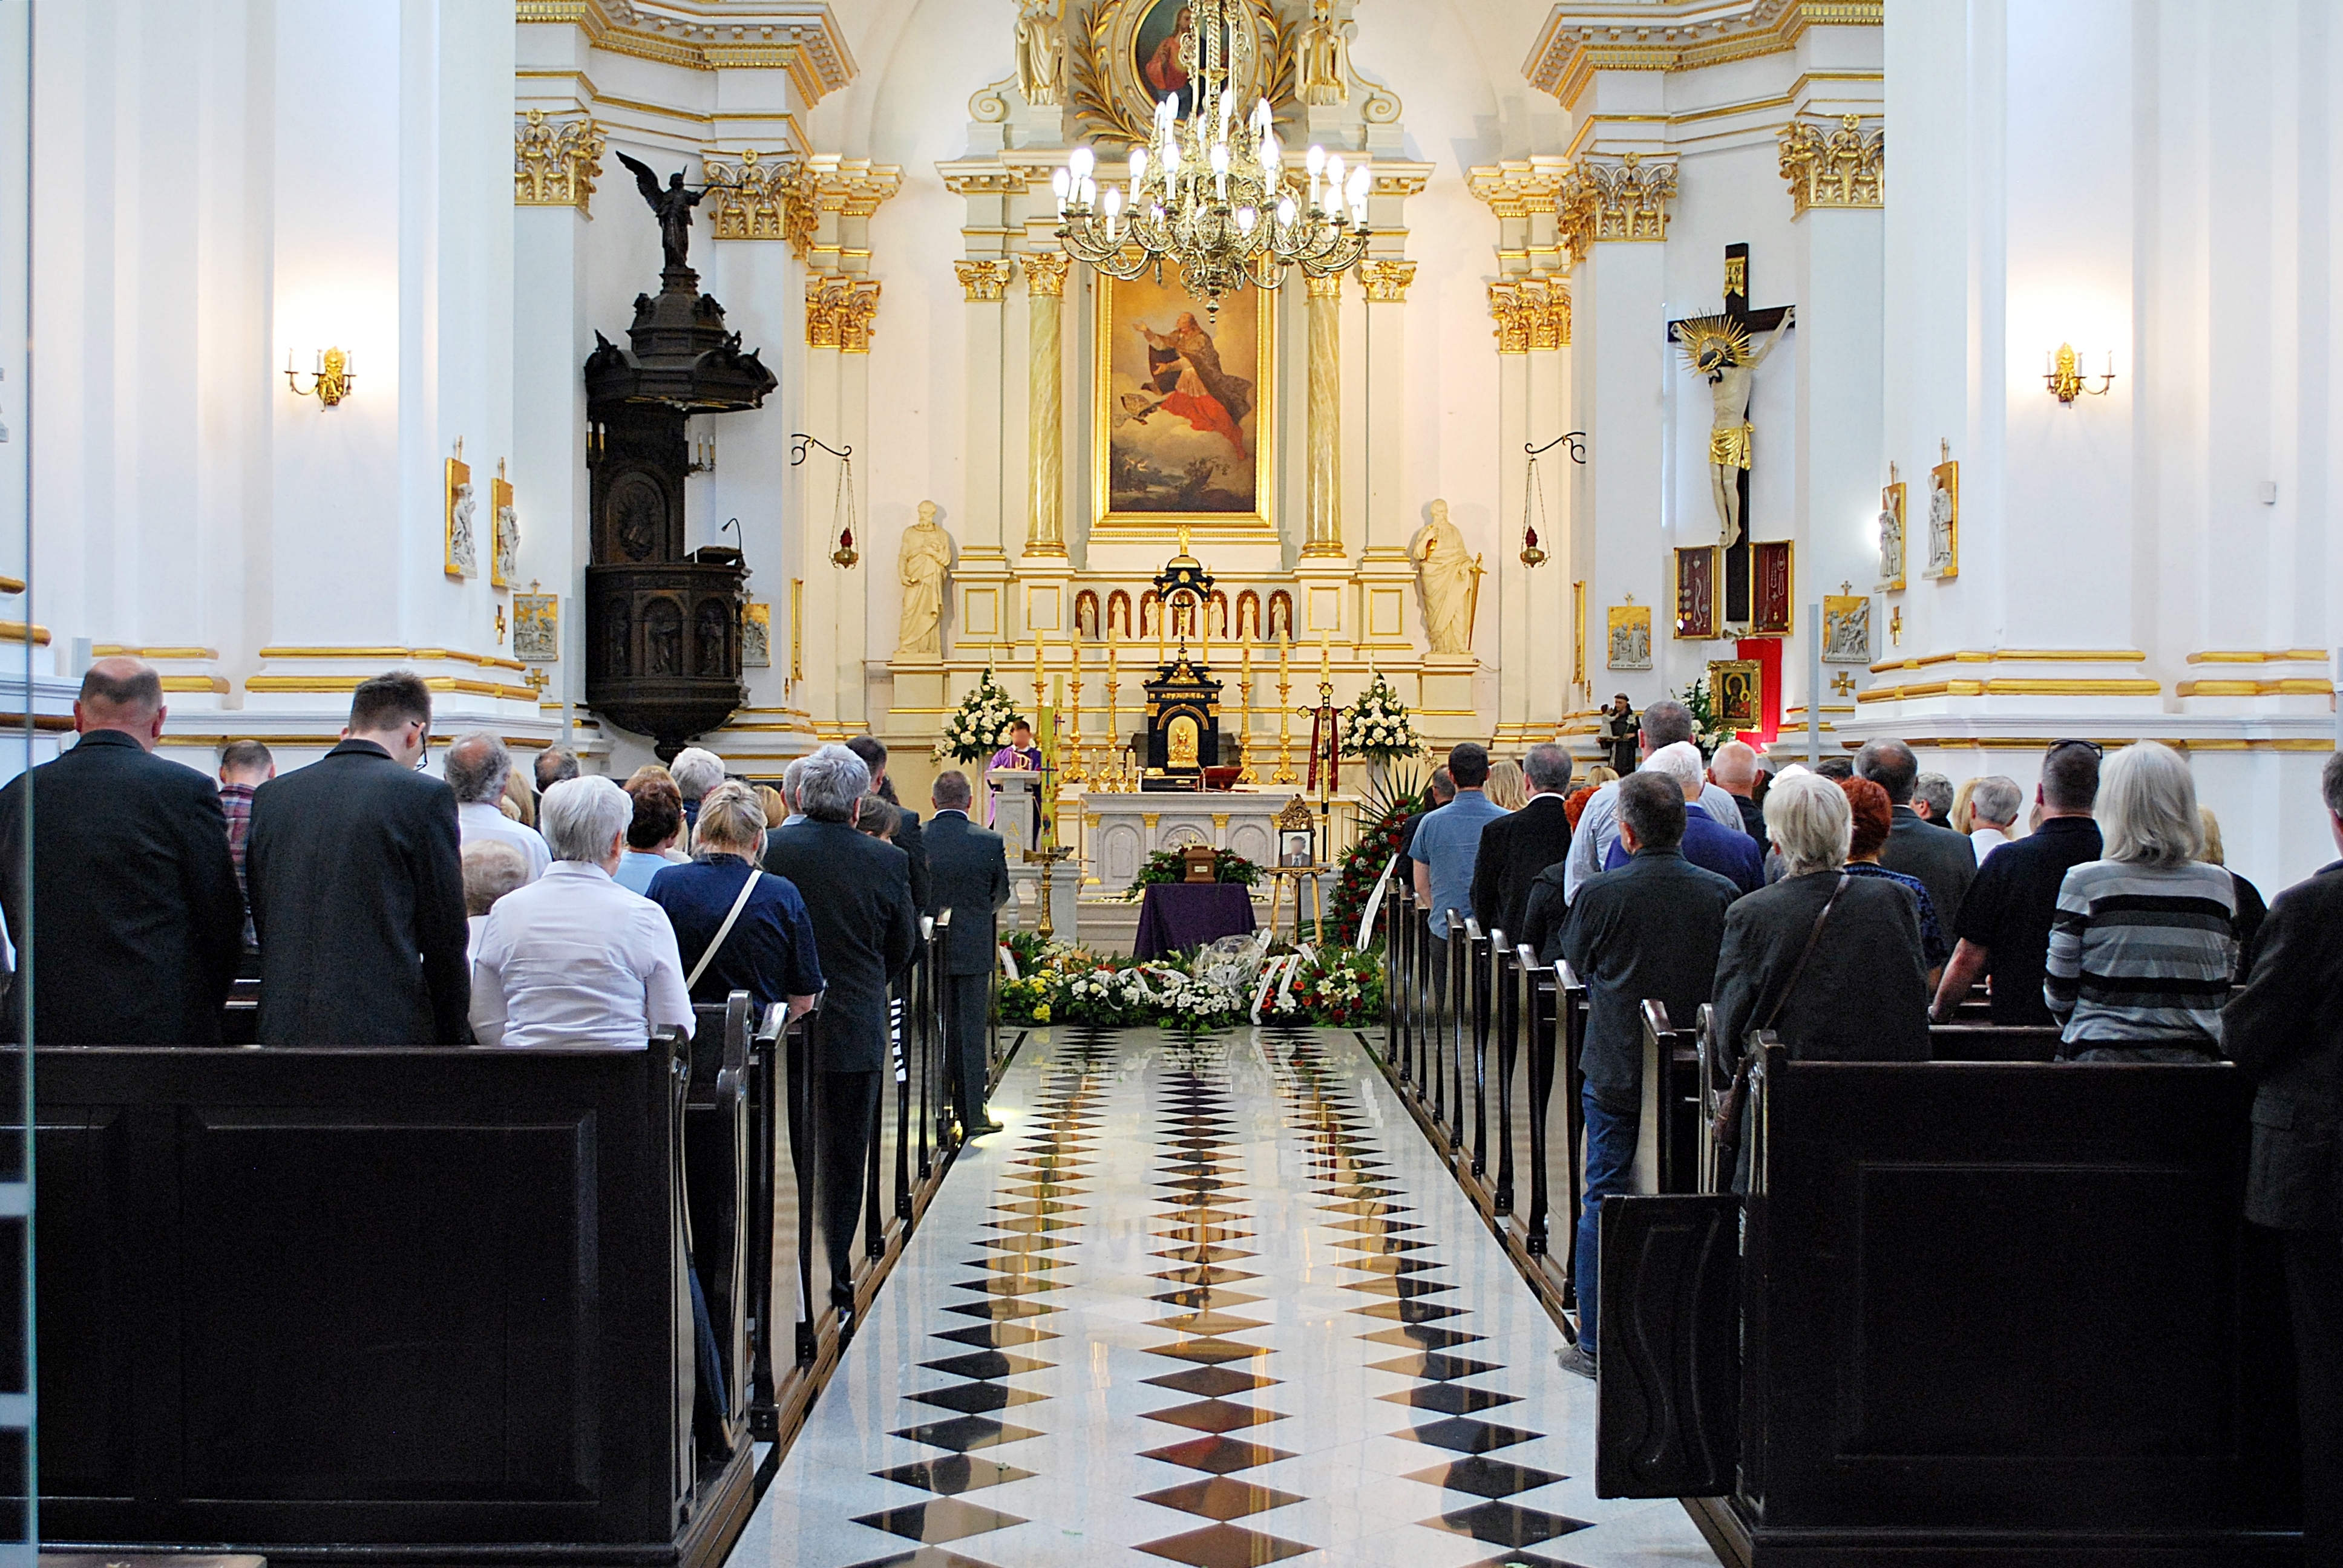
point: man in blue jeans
(1651, 928)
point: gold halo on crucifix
(1712, 343)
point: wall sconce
(2064, 376)
(336, 378)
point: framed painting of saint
(1846, 628)
(1184, 427)
(757, 637)
(1696, 592)
(1736, 691)
(537, 628)
(1943, 517)
(463, 550)
(1769, 604)
(1891, 533)
(1128, 58)
(1630, 636)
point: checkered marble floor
(1212, 1303)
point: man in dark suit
(968, 875)
(356, 871)
(1649, 929)
(1515, 847)
(908, 837)
(140, 922)
(2286, 1029)
(1942, 859)
(858, 891)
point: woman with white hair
(573, 958)
(1830, 963)
(2143, 946)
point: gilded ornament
(1386, 280)
(1323, 58)
(858, 317)
(981, 280)
(1512, 314)
(825, 307)
(1624, 199)
(1041, 53)
(555, 164)
(757, 200)
(1845, 169)
(1045, 274)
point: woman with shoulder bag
(737, 926)
(1829, 962)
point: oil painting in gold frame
(1183, 429)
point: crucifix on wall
(1723, 349)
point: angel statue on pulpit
(673, 207)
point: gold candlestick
(1284, 774)
(1244, 720)
(1074, 772)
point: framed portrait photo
(1184, 429)
(1297, 847)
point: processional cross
(1721, 349)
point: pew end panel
(371, 1306)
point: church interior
(1186, 424)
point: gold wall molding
(1385, 280)
(284, 684)
(1846, 167)
(1623, 198)
(983, 280)
(2290, 687)
(799, 37)
(556, 162)
(1045, 273)
(2017, 656)
(121, 650)
(216, 685)
(1580, 39)
(2111, 743)
(2276, 655)
(2011, 686)
(749, 198)
(377, 654)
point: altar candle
(1325, 659)
(1037, 654)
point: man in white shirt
(1666, 722)
(476, 767)
(573, 958)
(1993, 804)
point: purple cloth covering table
(1176, 916)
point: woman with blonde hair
(2143, 945)
(739, 926)
(1506, 786)
(1599, 775)
(2251, 909)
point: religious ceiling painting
(1736, 692)
(1891, 533)
(1184, 430)
(757, 636)
(1770, 600)
(537, 628)
(1846, 628)
(1944, 519)
(463, 550)
(1628, 639)
(1697, 581)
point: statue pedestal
(922, 690)
(1448, 710)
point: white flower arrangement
(1377, 725)
(980, 726)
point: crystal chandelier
(1208, 196)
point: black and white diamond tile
(1205, 1304)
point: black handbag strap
(1814, 939)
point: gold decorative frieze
(1045, 273)
(1519, 188)
(1580, 38)
(799, 37)
(749, 198)
(1842, 167)
(1385, 280)
(987, 181)
(1616, 198)
(555, 162)
(854, 188)
(983, 280)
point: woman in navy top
(769, 950)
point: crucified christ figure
(1730, 367)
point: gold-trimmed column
(1045, 291)
(1322, 472)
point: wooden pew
(1981, 1314)
(377, 1306)
(1667, 1147)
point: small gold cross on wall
(1843, 683)
(537, 677)
(1896, 626)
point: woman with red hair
(1875, 814)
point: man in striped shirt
(2142, 949)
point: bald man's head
(121, 694)
(1734, 767)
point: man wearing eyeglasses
(2005, 921)
(357, 875)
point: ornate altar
(662, 626)
(1183, 723)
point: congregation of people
(378, 905)
(1845, 908)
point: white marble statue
(1891, 541)
(1040, 53)
(924, 565)
(1941, 559)
(462, 554)
(1324, 58)
(507, 545)
(1445, 574)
